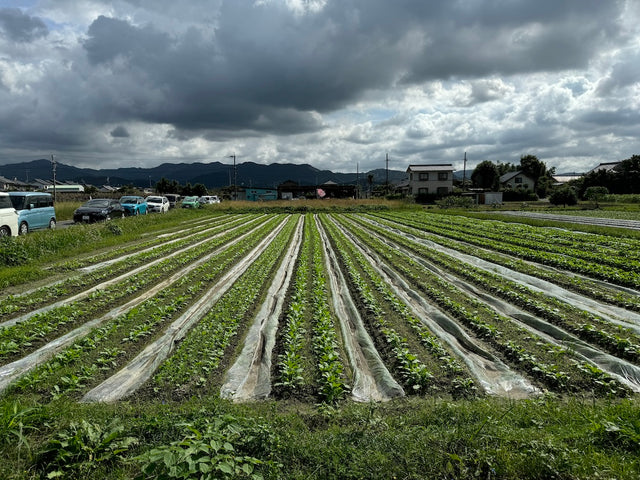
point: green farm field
(320, 340)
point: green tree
(505, 168)
(595, 194)
(565, 196)
(200, 190)
(537, 170)
(163, 186)
(485, 175)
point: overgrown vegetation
(414, 439)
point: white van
(35, 211)
(8, 216)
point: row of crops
(328, 307)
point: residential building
(516, 180)
(435, 179)
(607, 166)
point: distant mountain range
(212, 175)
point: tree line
(622, 179)
(173, 186)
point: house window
(518, 179)
(423, 191)
(443, 176)
(443, 190)
(424, 176)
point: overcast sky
(337, 84)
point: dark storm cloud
(120, 132)
(265, 68)
(345, 72)
(20, 27)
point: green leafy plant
(82, 447)
(218, 450)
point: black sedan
(97, 210)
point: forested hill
(212, 175)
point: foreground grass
(411, 439)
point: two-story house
(436, 179)
(517, 180)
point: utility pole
(464, 172)
(387, 182)
(357, 180)
(235, 178)
(53, 168)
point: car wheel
(24, 229)
(4, 231)
(52, 224)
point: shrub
(564, 196)
(453, 201)
(222, 449)
(12, 252)
(82, 448)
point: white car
(156, 203)
(209, 199)
(8, 217)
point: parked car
(133, 205)
(35, 210)
(191, 202)
(209, 199)
(8, 217)
(98, 209)
(173, 198)
(157, 204)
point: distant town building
(435, 179)
(290, 190)
(260, 194)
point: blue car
(134, 205)
(35, 210)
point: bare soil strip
(141, 368)
(250, 376)
(371, 379)
(493, 375)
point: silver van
(35, 210)
(8, 217)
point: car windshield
(128, 200)
(189, 199)
(5, 202)
(17, 201)
(154, 199)
(98, 202)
